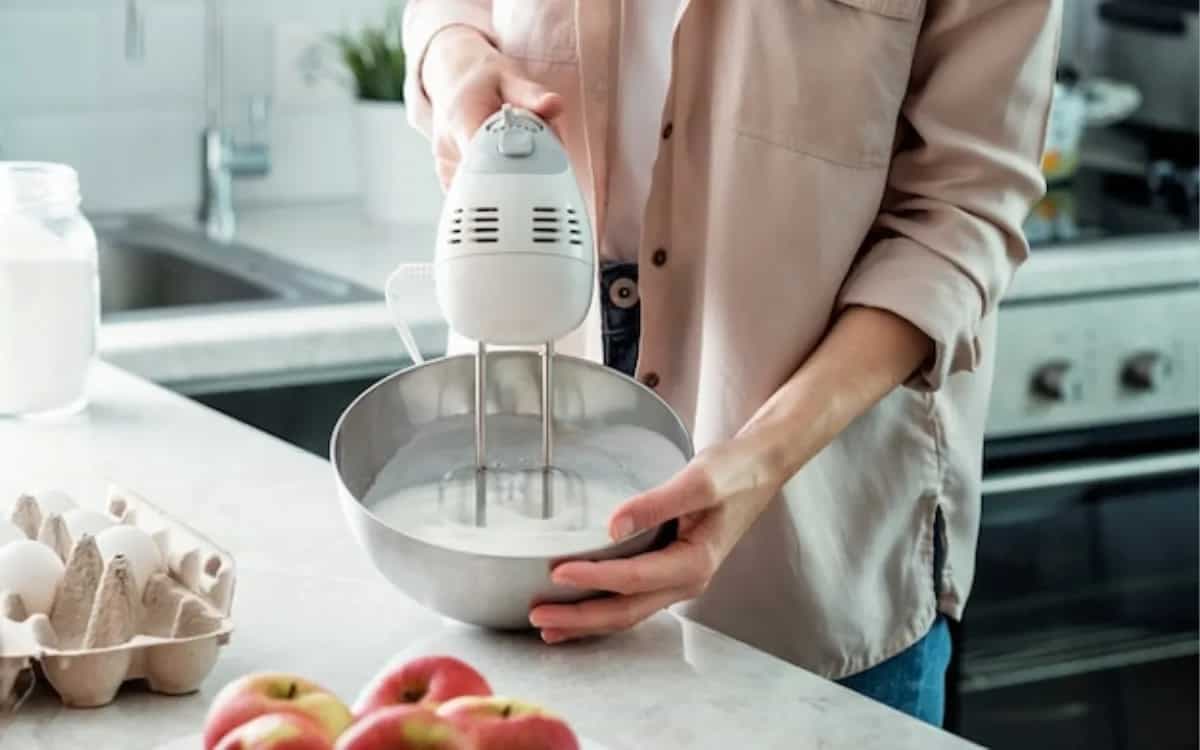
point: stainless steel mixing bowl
(487, 590)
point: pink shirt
(814, 154)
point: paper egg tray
(97, 636)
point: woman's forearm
(866, 354)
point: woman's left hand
(716, 498)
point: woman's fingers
(474, 104)
(685, 564)
(689, 491)
(471, 110)
(530, 95)
(445, 171)
(599, 616)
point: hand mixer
(513, 267)
(514, 263)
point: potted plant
(393, 159)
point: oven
(1081, 630)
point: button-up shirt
(815, 154)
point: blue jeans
(912, 681)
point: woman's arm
(967, 170)
(720, 494)
(866, 354)
(424, 20)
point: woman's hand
(716, 498)
(467, 80)
(720, 494)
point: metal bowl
(488, 590)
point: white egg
(80, 522)
(10, 533)
(33, 571)
(139, 549)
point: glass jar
(49, 291)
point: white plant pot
(395, 165)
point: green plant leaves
(375, 59)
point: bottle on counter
(49, 291)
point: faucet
(222, 157)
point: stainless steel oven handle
(1090, 473)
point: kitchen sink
(149, 267)
(276, 411)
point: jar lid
(30, 184)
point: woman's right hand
(467, 80)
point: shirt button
(650, 379)
(623, 293)
(667, 130)
(660, 257)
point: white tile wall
(131, 128)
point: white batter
(431, 491)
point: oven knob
(1145, 371)
(1055, 381)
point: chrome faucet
(222, 157)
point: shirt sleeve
(965, 174)
(423, 19)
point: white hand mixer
(514, 263)
(514, 267)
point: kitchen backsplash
(128, 116)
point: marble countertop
(308, 601)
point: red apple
(403, 728)
(276, 732)
(427, 681)
(271, 693)
(496, 723)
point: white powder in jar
(48, 317)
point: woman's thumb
(522, 92)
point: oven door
(1082, 625)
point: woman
(806, 215)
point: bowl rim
(590, 552)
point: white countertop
(308, 601)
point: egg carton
(97, 634)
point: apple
(261, 693)
(495, 723)
(427, 681)
(276, 732)
(405, 727)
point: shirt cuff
(930, 292)
(422, 22)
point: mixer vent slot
(574, 233)
(551, 224)
(476, 225)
